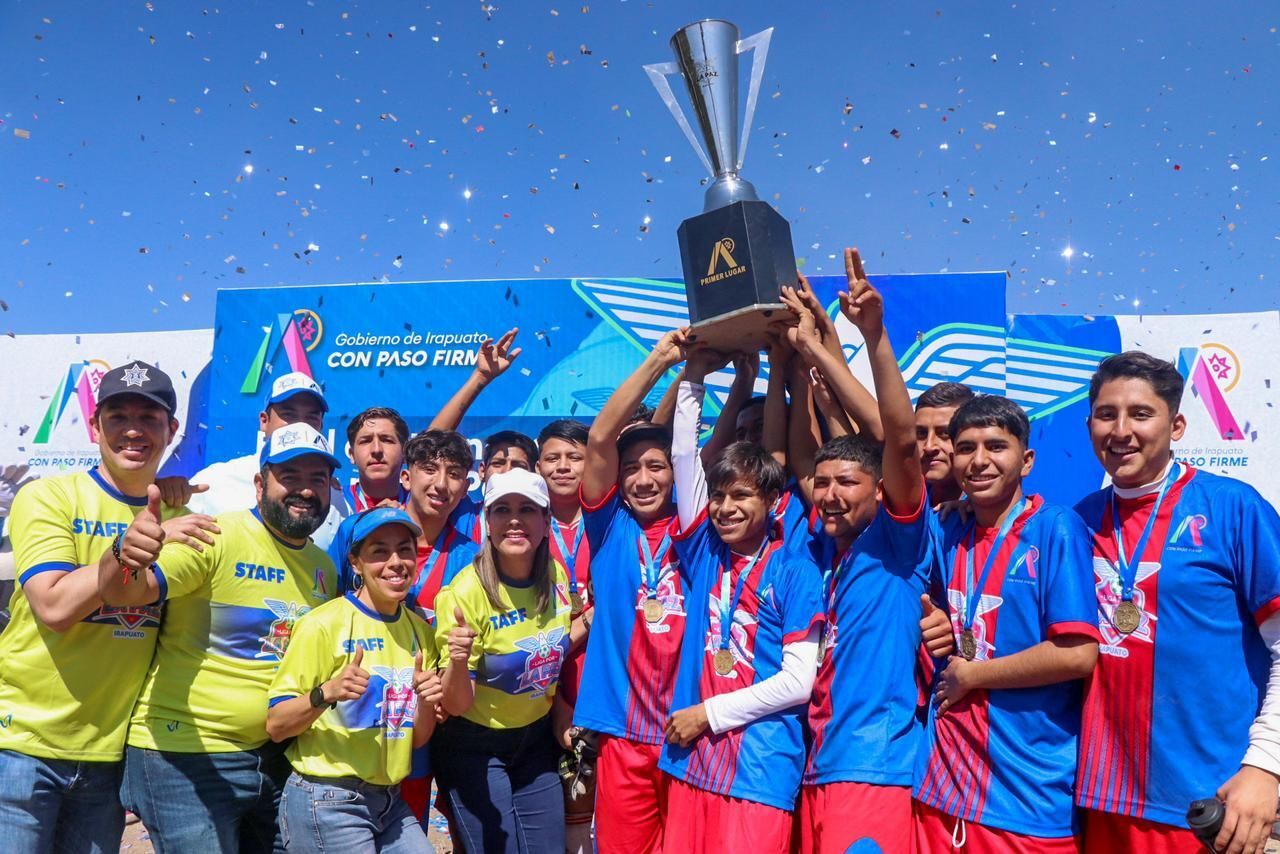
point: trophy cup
(737, 253)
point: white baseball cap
(520, 482)
(293, 383)
(295, 440)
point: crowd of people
(837, 623)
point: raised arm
(864, 306)
(746, 367)
(803, 437)
(691, 482)
(601, 471)
(857, 402)
(838, 423)
(494, 360)
(774, 434)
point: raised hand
(141, 543)
(806, 330)
(671, 347)
(935, 629)
(497, 356)
(746, 367)
(427, 686)
(191, 530)
(861, 304)
(461, 638)
(350, 684)
(177, 491)
(702, 361)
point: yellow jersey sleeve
(44, 520)
(181, 570)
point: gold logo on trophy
(723, 252)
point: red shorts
(939, 833)
(631, 796)
(833, 816)
(1105, 832)
(705, 821)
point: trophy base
(742, 331)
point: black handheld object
(1204, 817)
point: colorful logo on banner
(81, 383)
(296, 335)
(1211, 371)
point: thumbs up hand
(141, 543)
(428, 687)
(461, 638)
(350, 684)
(935, 629)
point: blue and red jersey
(1006, 759)
(1168, 709)
(792, 515)
(630, 663)
(468, 519)
(780, 602)
(862, 717)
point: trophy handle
(759, 45)
(658, 72)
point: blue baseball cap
(294, 383)
(371, 520)
(295, 440)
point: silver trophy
(738, 252)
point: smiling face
(376, 450)
(740, 513)
(504, 458)
(435, 487)
(517, 526)
(933, 438)
(294, 496)
(386, 561)
(132, 433)
(561, 463)
(302, 408)
(990, 463)
(645, 478)
(846, 496)
(1132, 431)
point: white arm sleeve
(1264, 735)
(790, 686)
(691, 483)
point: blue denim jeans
(503, 785)
(49, 805)
(214, 802)
(349, 816)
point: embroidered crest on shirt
(1188, 536)
(276, 640)
(542, 664)
(399, 703)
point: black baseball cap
(140, 379)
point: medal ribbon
(569, 557)
(652, 566)
(1129, 570)
(439, 553)
(728, 607)
(972, 592)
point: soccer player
(199, 770)
(357, 691)
(873, 550)
(638, 613)
(295, 399)
(998, 767)
(735, 742)
(70, 665)
(376, 439)
(1185, 701)
(934, 409)
(506, 625)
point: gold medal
(968, 645)
(653, 610)
(1126, 617)
(575, 603)
(724, 662)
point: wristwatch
(317, 698)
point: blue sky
(938, 136)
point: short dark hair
(632, 434)
(643, 413)
(373, 413)
(431, 445)
(945, 394)
(507, 438)
(1162, 376)
(867, 454)
(750, 462)
(749, 404)
(991, 410)
(565, 429)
